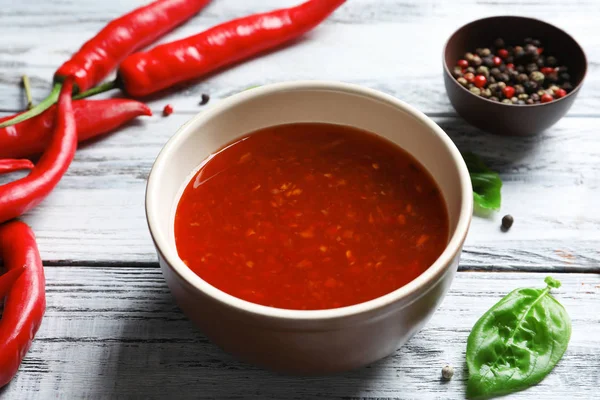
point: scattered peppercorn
(520, 74)
(206, 98)
(168, 110)
(507, 222)
(447, 372)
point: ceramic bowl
(319, 341)
(509, 119)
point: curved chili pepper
(168, 64)
(101, 54)
(25, 301)
(22, 195)
(93, 118)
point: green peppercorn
(469, 57)
(537, 77)
(482, 70)
(485, 52)
(486, 93)
(493, 87)
(541, 92)
(501, 85)
(476, 61)
(470, 69)
(506, 101)
(475, 90)
(457, 72)
(462, 81)
(553, 88)
(523, 96)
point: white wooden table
(111, 329)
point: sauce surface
(310, 216)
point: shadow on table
(162, 354)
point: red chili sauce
(310, 216)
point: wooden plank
(394, 46)
(552, 188)
(112, 333)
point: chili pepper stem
(8, 280)
(40, 108)
(27, 87)
(105, 87)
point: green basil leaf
(517, 342)
(486, 183)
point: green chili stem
(105, 87)
(27, 87)
(40, 108)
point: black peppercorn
(536, 43)
(456, 72)
(462, 81)
(530, 86)
(502, 68)
(562, 68)
(504, 77)
(565, 77)
(206, 98)
(494, 71)
(522, 78)
(528, 40)
(519, 89)
(531, 67)
(475, 90)
(499, 43)
(491, 79)
(531, 52)
(476, 61)
(535, 97)
(488, 61)
(551, 61)
(494, 98)
(507, 222)
(510, 59)
(520, 68)
(519, 53)
(567, 86)
(529, 101)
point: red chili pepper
(10, 165)
(93, 118)
(25, 301)
(122, 36)
(22, 195)
(166, 65)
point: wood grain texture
(112, 329)
(116, 333)
(552, 188)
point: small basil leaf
(486, 183)
(517, 342)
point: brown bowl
(511, 119)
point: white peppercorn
(447, 372)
